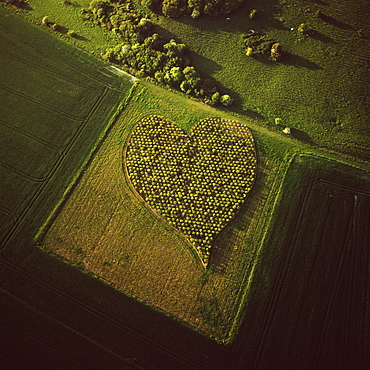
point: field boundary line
(14, 220)
(342, 187)
(25, 175)
(47, 71)
(45, 105)
(26, 134)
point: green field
(289, 281)
(318, 89)
(56, 104)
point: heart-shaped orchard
(196, 182)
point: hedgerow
(198, 181)
(146, 54)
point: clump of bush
(256, 43)
(146, 54)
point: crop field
(314, 268)
(55, 103)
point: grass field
(318, 90)
(56, 103)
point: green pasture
(56, 102)
(319, 89)
(89, 37)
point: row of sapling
(146, 54)
(256, 43)
(196, 182)
(47, 22)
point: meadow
(317, 89)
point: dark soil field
(313, 275)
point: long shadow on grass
(82, 38)
(237, 105)
(302, 136)
(203, 65)
(238, 21)
(334, 22)
(321, 37)
(320, 2)
(299, 62)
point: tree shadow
(302, 136)
(321, 37)
(76, 5)
(299, 62)
(205, 66)
(320, 2)
(265, 60)
(334, 22)
(81, 38)
(237, 106)
(238, 21)
(26, 6)
(62, 29)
